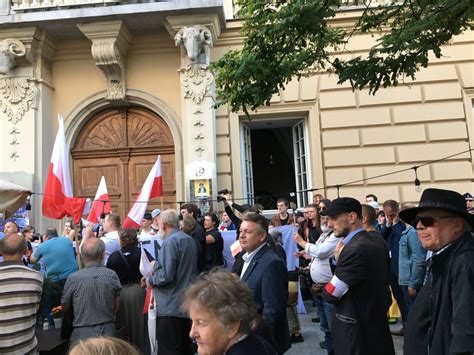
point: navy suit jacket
(267, 278)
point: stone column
(27, 125)
(195, 36)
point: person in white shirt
(149, 237)
(145, 227)
(111, 237)
(321, 252)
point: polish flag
(99, 206)
(153, 187)
(58, 201)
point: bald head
(13, 247)
(92, 251)
(10, 228)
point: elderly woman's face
(211, 336)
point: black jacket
(450, 305)
(359, 321)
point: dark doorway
(273, 165)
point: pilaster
(195, 36)
(26, 120)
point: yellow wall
(354, 135)
(151, 66)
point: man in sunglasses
(359, 287)
(441, 320)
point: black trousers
(172, 334)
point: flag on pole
(99, 205)
(153, 187)
(58, 201)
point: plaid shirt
(91, 292)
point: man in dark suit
(265, 274)
(359, 287)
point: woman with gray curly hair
(222, 311)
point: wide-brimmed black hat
(439, 199)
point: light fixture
(417, 181)
(28, 206)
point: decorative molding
(110, 43)
(10, 50)
(16, 98)
(197, 41)
(197, 82)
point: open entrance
(274, 157)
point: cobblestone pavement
(313, 336)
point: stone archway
(122, 144)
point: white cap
(374, 204)
(155, 213)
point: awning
(12, 196)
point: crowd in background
(353, 260)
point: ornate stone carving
(110, 43)
(197, 81)
(108, 59)
(16, 98)
(196, 41)
(10, 50)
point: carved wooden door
(123, 145)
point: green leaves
(284, 39)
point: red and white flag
(101, 202)
(336, 287)
(153, 187)
(58, 201)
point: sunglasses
(428, 221)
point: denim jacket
(411, 259)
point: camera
(221, 192)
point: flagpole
(77, 252)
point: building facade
(132, 81)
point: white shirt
(321, 252)
(151, 243)
(111, 241)
(248, 259)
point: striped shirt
(91, 293)
(20, 293)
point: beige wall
(151, 65)
(354, 135)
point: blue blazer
(267, 278)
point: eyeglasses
(428, 221)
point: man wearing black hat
(359, 288)
(442, 314)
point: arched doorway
(122, 145)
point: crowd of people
(354, 259)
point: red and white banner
(153, 187)
(101, 203)
(58, 201)
(336, 288)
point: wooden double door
(122, 145)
